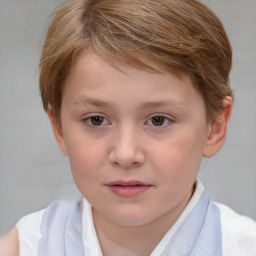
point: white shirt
(238, 232)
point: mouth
(128, 188)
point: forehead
(89, 64)
(93, 77)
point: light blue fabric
(200, 232)
(198, 235)
(61, 230)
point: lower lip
(129, 191)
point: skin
(131, 125)
(9, 245)
(127, 145)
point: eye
(96, 121)
(159, 121)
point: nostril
(135, 164)
(127, 165)
(115, 163)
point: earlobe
(217, 129)
(57, 132)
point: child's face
(135, 139)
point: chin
(130, 218)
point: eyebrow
(94, 102)
(151, 104)
(162, 103)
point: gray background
(32, 170)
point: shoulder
(238, 233)
(23, 240)
(29, 233)
(30, 221)
(9, 244)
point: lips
(128, 188)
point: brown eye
(96, 120)
(158, 120)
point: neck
(116, 240)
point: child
(137, 93)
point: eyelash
(166, 121)
(88, 121)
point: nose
(127, 149)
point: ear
(56, 128)
(217, 130)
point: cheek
(85, 160)
(179, 157)
(85, 168)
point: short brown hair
(178, 35)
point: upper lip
(127, 183)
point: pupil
(97, 120)
(158, 120)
